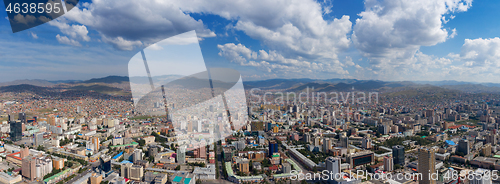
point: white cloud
(390, 32)
(121, 43)
(74, 31)
(348, 61)
(453, 33)
(34, 35)
(145, 21)
(274, 62)
(67, 41)
(481, 52)
(28, 19)
(294, 28)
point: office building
(481, 177)
(333, 165)
(57, 163)
(243, 166)
(155, 178)
(366, 142)
(125, 170)
(327, 144)
(344, 141)
(201, 152)
(137, 155)
(106, 163)
(181, 155)
(29, 168)
(388, 164)
(463, 146)
(491, 138)
(38, 139)
(398, 154)
(153, 150)
(383, 129)
(486, 150)
(136, 172)
(95, 142)
(22, 117)
(273, 148)
(95, 178)
(306, 138)
(287, 167)
(16, 130)
(361, 158)
(426, 164)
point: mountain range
(115, 84)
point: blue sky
(394, 40)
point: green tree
(141, 142)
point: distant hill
(96, 88)
(23, 88)
(34, 82)
(107, 80)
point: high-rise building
(38, 139)
(136, 172)
(181, 155)
(273, 148)
(137, 155)
(491, 138)
(481, 177)
(327, 144)
(126, 170)
(463, 146)
(57, 163)
(333, 165)
(22, 117)
(287, 168)
(486, 150)
(106, 163)
(95, 142)
(201, 152)
(344, 141)
(244, 166)
(426, 164)
(306, 138)
(317, 141)
(95, 178)
(24, 152)
(152, 150)
(366, 142)
(29, 168)
(383, 129)
(398, 154)
(388, 163)
(16, 130)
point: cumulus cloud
(136, 21)
(74, 31)
(390, 32)
(348, 61)
(28, 19)
(274, 62)
(121, 43)
(294, 28)
(67, 41)
(481, 52)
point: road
(87, 170)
